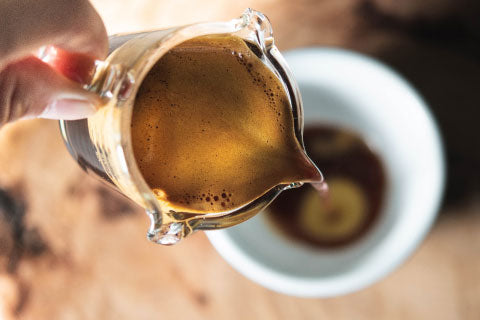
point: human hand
(31, 88)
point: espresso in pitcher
(212, 128)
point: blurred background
(72, 249)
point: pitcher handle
(97, 76)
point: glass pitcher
(102, 143)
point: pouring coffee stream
(323, 190)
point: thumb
(30, 88)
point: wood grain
(76, 250)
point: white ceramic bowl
(359, 93)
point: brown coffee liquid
(339, 215)
(212, 128)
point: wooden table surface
(72, 249)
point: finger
(26, 25)
(75, 66)
(30, 88)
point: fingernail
(68, 109)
